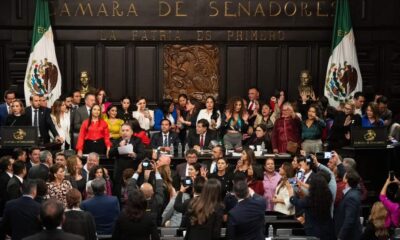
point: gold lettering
(153, 34)
(200, 36)
(230, 35)
(216, 11)
(163, 35)
(104, 35)
(286, 9)
(132, 9)
(281, 35)
(271, 35)
(102, 10)
(242, 7)
(277, 13)
(263, 35)
(227, 3)
(259, 10)
(134, 35)
(115, 9)
(83, 11)
(160, 12)
(177, 35)
(319, 8)
(239, 35)
(304, 10)
(178, 7)
(254, 35)
(112, 36)
(144, 36)
(65, 9)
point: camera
(146, 164)
(328, 155)
(187, 182)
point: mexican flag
(42, 75)
(343, 77)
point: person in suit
(21, 215)
(40, 118)
(105, 209)
(217, 153)
(77, 221)
(17, 116)
(181, 170)
(201, 139)
(124, 161)
(6, 167)
(51, 216)
(42, 170)
(75, 96)
(246, 219)
(205, 213)
(83, 112)
(347, 214)
(93, 159)
(135, 222)
(5, 108)
(34, 157)
(14, 185)
(166, 137)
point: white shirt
(165, 135)
(204, 114)
(9, 174)
(306, 176)
(144, 122)
(8, 108)
(186, 170)
(88, 110)
(213, 167)
(33, 118)
(286, 208)
(20, 179)
(64, 128)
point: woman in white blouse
(281, 198)
(143, 114)
(210, 113)
(62, 122)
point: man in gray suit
(82, 113)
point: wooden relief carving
(192, 70)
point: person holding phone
(392, 207)
(281, 198)
(143, 114)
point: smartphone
(391, 175)
(328, 155)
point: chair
(284, 232)
(168, 231)
(269, 218)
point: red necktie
(201, 141)
(251, 105)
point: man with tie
(83, 112)
(218, 152)
(201, 139)
(5, 108)
(253, 95)
(40, 117)
(72, 101)
(166, 137)
(191, 157)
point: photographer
(154, 200)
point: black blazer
(80, 115)
(347, 216)
(246, 219)
(21, 217)
(211, 229)
(22, 120)
(80, 223)
(14, 188)
(54, 234)
(157, 140)
(45, 123)
(142, 229)
(194, 139)
(4, 178)
(138, 148)
(39, 171)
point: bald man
(155, 200)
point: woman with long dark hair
(166, 110)
(205, 213)
(311, 130)
(139, 132)
(211, 113)
(62, 122)
(188, 120)
(114, 123)
(317, 208)
(371, 117)
(281, 198)
(224, 176)
(144, 115)
(102, 101)
(124, 111)
(247, 164)
(94, 135)
(134, 222)
(236, 123)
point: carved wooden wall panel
(192, 70)
(146, 73)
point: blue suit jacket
(347, 216)
(246, 219)
(105, 210)
(3, 114)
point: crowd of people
(55, 190)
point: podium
(19, 136)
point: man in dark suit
(201, 139)
(21, 215)
(6, 163)
(83, 112)
(40, 118)
(105, 209)
(165, 138)
(347, 215)
(5, 108)
(181, 170)
(34, 158)
(93, 159)
(218, 152)
(124, 161)
(14, 186)
(73, 101)
(52, 215)
(246, 219)
(42, 170)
